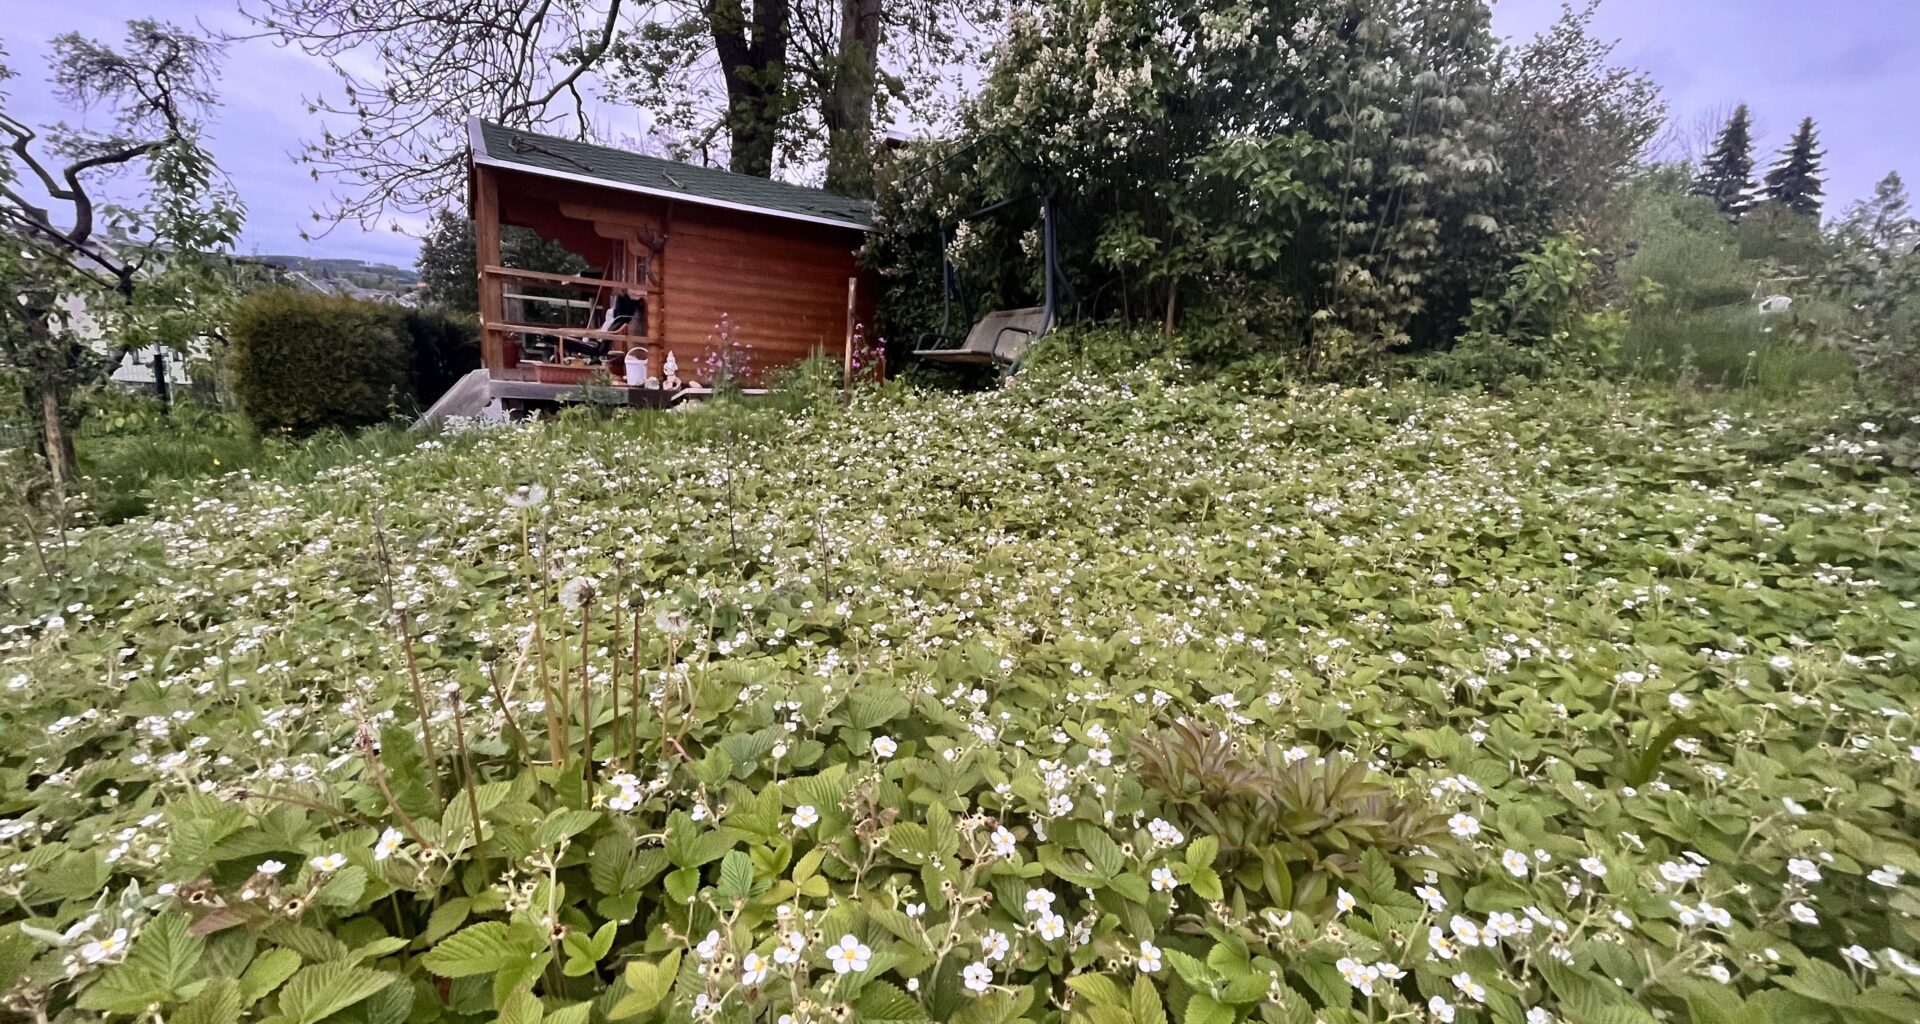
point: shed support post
(486, 236)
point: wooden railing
(497, 329)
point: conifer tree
(1794, 181)
(1726, 177)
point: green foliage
(1875, 280)
(303, 362)
(151, 266)
(451, 281)
(1311, 188)
(1290, 821)
(442, 348)
(1114, 698)
(1544, 323)
(1693, 284)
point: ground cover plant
(1096, 698)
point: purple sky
(1850, 64)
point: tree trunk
(753, 62)
(48, 362)
(55, 442)
(848, 110)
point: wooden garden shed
(673, 246)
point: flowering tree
(1331, 171)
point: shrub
(1544, 323)
(302, 363)
(443, 348)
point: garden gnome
(672, 372)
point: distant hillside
(369, 276)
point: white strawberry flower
(105, 948)
(753, 969)
(388, 844)
(978, 977)
(328, 863)
(849, 954)
(804, 816)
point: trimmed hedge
(302, 362)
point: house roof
(549, 156)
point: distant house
(136, 367)
(672, 249)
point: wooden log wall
(782, 281)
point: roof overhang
(478, 145)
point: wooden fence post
(846, 358)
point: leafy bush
(1874, 279)
(845, 713)
(302, 362)
(1318, 186)
(443, 347)
(1544, 323)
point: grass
(1729, 348)
(140, 453)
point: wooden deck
(472, 394)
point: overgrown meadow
(1094, 699)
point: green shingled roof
(512, 148)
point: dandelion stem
(633, 708)
(586, 691)
(406, 648)
(466, 760)
(380, 780)
(549, 702)
(506, 710)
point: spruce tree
(1726, 177)
(1794, 181)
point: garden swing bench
(1001, 338)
